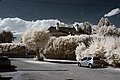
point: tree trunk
(38, 56)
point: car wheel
(90, 65)
(79, 64)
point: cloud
(112, 12)
(18, 26)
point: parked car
(5, 64)
(90, 62)
(4, 61)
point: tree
(79, 49)
(2, 38)
(8, 35)
(104, 22)
(87, 28)
(36, 39)
(102, 46)
(108, 31)
(106, 28)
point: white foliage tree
(101, 46)
(106, 28)
(36, 39)
(79, 51)
(108, 31)
(65, 45)
(104, 22)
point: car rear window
(96, 58)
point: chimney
(57, 26)
(77, 27)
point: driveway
(28, 69)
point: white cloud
(112, 12)
(7, 28)
(17, 25)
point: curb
(60, 61)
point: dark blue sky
(67, 11)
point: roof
(64, 31)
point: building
(65, 31)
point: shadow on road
(63, 62)
(99, 67)
(5, 78)
(9, 68)
(38, 70)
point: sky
(68, 11)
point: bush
(13, 49)
(64, 45)
(104, 47)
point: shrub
(64, 45)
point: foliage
(79, 49)
(104, 47)
(87, 28)
(8, 35)
(35, 38)
(104, 22)
(106, 28)
(2, 38)
(65, 45)
(108, 31)
(12, 48)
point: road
(28, 69)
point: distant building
(64, 31)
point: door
(84, 61)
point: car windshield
(96, 58)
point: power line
(20, 10)
(69, 3)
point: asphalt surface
(28, 69)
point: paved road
(27, 69)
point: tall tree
(36, 39)
(104, 22)
(106, 28)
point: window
(85, 58)
(89, 58)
